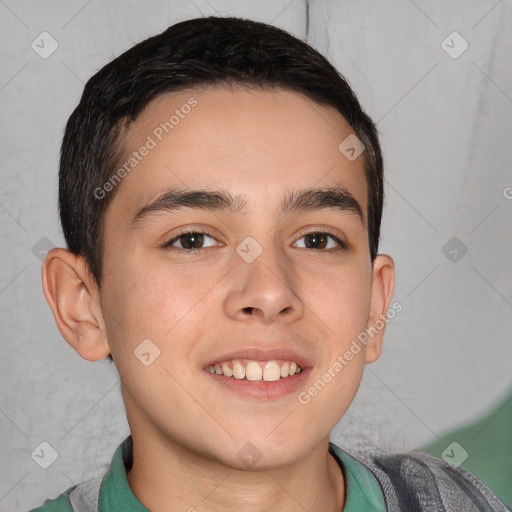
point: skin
(187, 430)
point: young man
(221, 193)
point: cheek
(149, 300)
(342, 300)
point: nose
(264, 290)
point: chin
(263, 452)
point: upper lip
(261, 354)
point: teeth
(272, 371)
(226, 370)
(253, 371)
(238, 370)
(256, 371)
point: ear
(383, 283)
(74, 299)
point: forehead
(253, 142)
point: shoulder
(418, 481)
(59, 504)
(79, 498)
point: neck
(168, 477)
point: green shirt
(363, 490)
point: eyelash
(190, 252)
(302, 234)
(325, 231)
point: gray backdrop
(444, 114)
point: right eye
(189, 241)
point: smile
(256, 371)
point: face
(249, 287)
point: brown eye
(316, 240)
(191, 241)
(320, 240)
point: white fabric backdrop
(445, 129)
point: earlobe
(73, 297)
(383, 283)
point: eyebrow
(335, 198)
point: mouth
(258, 373)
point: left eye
(320, 240)
(190, 240)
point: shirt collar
(363, 490)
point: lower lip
(262, 390)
